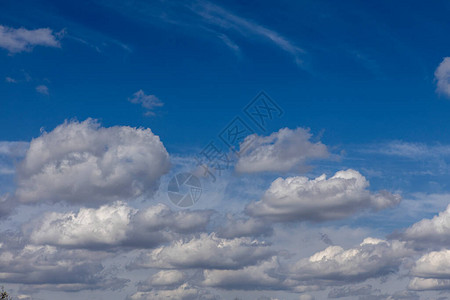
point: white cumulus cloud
(431, 272)
(164, 278)
(206, 251)
(430, 233)
(372, 258)
(320, 199)
(82, 162)
(281, 151)
(114, 225)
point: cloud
(10, 153)
(281, 151)
(10, 80)
(334, 265)
(319, 199)
(204, 17)
(106, 225)
(54, 269)
(429, 233)
(306, 297)
(149, 102)
(435, 264)
(399, 295)
(115, 225)
(13, 149)
(266, 275)
(164, 278)
(205, 251)
(7, 205)
(429, 284)
(238, 227)
(442, 75)
(17, 40)
(83, 163)
(351, 291)
(409, 150)
(183, 292)
(261, 276)
(42, 89)
(431, 272)
(215, 15)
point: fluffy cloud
(266, 275)
(46, 266)
(372, 258)
(115, 225)
(430, 233)
(442, 76)
(319, 199)
(259, 276)
(88, 164)
(281, 151)
(206, 251)
(434, 264)
(429, 284)
(164, 278)
(20, 39)
(431, 272)
(89, 227)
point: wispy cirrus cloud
(17, 40)
(213, 14)
(408, 150)
(209, 18)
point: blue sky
(365, 94)
(370, 64)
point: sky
(225, 149)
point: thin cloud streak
(216, 15)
